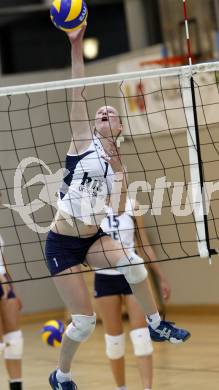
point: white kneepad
(81, 327)
(13, 345)
(141, 342)
(115, 346)
(132, 267)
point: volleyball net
(171, 143)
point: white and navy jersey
(2, 267)
(120, 228)
(87, 182)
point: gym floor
(193, 365)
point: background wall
(201, 16)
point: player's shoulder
(78, 148)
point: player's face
(107, 122)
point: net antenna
(195, 157)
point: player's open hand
(165, 289)
(77, 35)
(112, 156)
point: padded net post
(195, 165)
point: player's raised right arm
(80, 125)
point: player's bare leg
(140, 338)
(74, 293)
(10, 313)
(110, 310)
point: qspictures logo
(186, 198)
(48, 194)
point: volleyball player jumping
(94, 171)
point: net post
(195, 164)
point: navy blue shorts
(11, 293)
(63, 252)
(105, 285)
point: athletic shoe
(166, 331)
(69, 385)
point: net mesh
(35, 132)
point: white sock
(63, 376)
(122, 388)
(154, 320)
(147, 389)
(19, 380)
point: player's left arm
(80, 124)
(146, 251)
(5, 286)
(3, 279)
